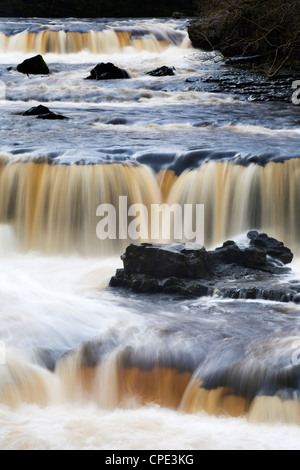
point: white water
(85, 427)
(58, 303)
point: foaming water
(85, 427)
(117, 359)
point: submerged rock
(117, 121)
(107, 72)
(52, 117)
(42, 112)
(34, 66)
(231, 271)
(162, 71)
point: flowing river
(86, 367)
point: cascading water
(82, 366)
(52, 208)
(102, 39)
(95, 42)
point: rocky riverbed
(254, 271)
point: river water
(85, 367)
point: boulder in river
(252, 271)
(42, 112)
(52, 117)
(37, 111)
(271, 246)
(162, 71)
(107, 72)
(178, 259)
(34, 66)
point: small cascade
(53, 208)
(238, 198)
(109, 41)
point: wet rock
(52, 117)
(42, 112)
(271, 247)
(117, 121)
(34, 66)
(162, 71)
(107, 72)
(230, 271)
(178, 260)
(37, 111)
(147, 284)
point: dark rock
(107, 72)
(296, 299)
(162, 71)
(42, 112)
(52, 117)
(254, 59)
(231, 271)
(271, 247)
(231, 253)
(146, 284)
(117, 121)
(37, 111)
(163, 261)
(34, 66)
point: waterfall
(238, 198)
(96, 42)
(52, 208)
(112, 384)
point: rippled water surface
(121, 119)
